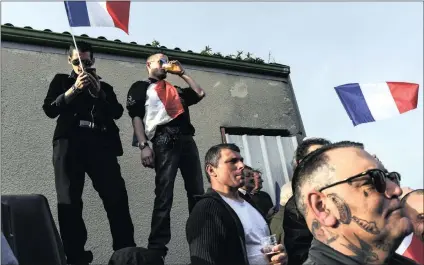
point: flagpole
(76, 48)
(79, 58)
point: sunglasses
(163, 61)
(377, 176)
(86, 63)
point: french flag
(98, 14)
(412, 247)
(377, 101)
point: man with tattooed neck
(351, 206)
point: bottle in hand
(172, 67)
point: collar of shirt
(152, 80)
(243, 191)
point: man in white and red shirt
(413, 245)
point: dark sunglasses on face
(377, 176)
(163, 61)
(86, 63)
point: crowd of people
(342, 205)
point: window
(270, 151)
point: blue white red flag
(98, 14)
(378, 101)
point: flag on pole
(378, 101)
(98, 14)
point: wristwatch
(142, 145)
(75, 89)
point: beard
(160, 74)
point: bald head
(154, 66)
(156, 57)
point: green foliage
(207, 51)
(155, 43)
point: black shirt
(102, 110)
(297, 237)
(263, 201)
(321, 254)
(136, 100)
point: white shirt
(255, 228)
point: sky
(325, 44)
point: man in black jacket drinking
(86, 140)
(224, 229)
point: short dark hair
(247, 171)
(302, 149)
(354, 144)
(310, 164)
(214, 154)
(248, 167)
(255, 170)
(82, 47)
(405, 198)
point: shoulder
(309, 261)
(60, 77)
(182, 89)
(291, 205)
(140, 84)
(60, 80)
(208, 204)
(138, 87)
(265, 194)
(105, 85)
(207, 207)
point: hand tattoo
(370, 227)
(342, 207)
(364, 252)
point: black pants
(171, 153)
(87, 152)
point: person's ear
(211, 170)
(320, 210)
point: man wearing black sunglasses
(86, 140)
(352, 207)
(160, 114)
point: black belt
(91, 125)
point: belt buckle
(87, 124)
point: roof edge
(62, 40)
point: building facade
(250, 104)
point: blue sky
(325, 44)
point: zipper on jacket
(92, 116)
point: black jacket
(107, 109)
(321, 254)
(214, 233)
(297, 237)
